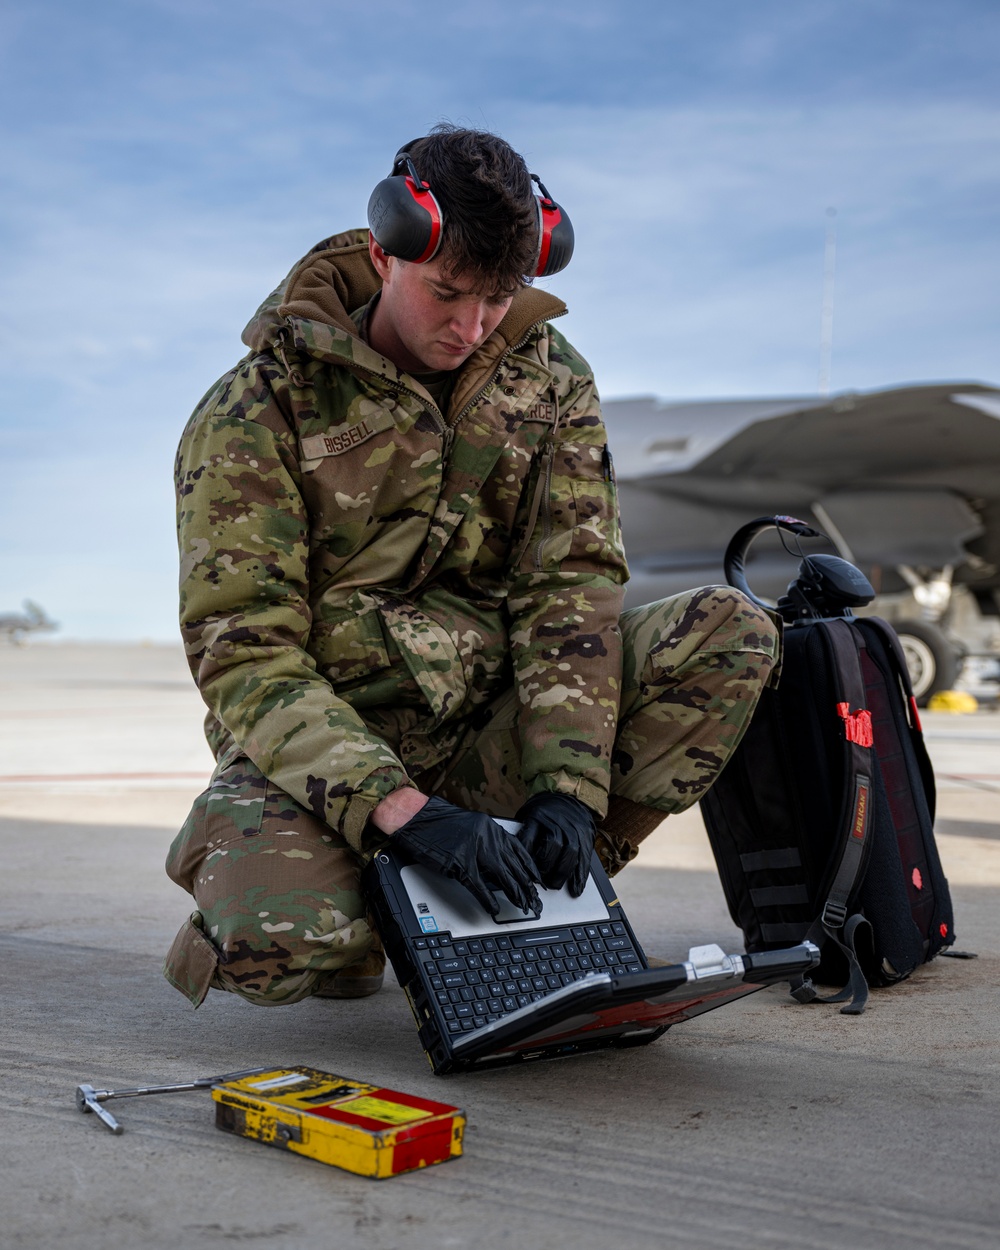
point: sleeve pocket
(350, 644)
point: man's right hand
(474, 850)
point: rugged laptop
(486, 992)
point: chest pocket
(538, 431)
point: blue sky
(166, 161)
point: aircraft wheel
(930, 657)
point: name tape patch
(544, 411)
(316, 446)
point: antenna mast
(826, 315)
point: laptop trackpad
(443, 905)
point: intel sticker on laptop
(428, 924)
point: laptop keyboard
(479, 980)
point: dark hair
(488, 203)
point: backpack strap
(891, 640)
(834, 921)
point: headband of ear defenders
(406, 220)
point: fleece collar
(337, 277)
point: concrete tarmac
(761, 1126)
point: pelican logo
(860, 810)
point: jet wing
(909, 475)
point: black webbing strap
(834, 921)
(763, 861)
(855, 992)
(779, 896)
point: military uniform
(377, 593)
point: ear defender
(406, 220)
(555, 234)
(403, 215)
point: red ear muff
(555, 234)
(403, 215)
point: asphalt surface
(762, 1125)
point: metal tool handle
(86, 1100)
(102, 1095)
(90, 1099)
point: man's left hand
(558, 831)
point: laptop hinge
(711, 961)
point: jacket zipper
(447, 428)
(501, 366)
(546, 486)
(397, 388)
(550, 450)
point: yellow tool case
(361, 1128)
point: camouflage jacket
(347, 547)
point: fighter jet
(905, 482)
(15, 625)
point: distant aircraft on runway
(15, 625)
(905, 481)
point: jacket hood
(337, 277)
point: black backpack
(822, 821)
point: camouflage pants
(280, 911)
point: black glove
(473, 849)
(558, 833)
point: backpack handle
(734, 561)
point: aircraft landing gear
(930, 657)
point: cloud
(701, 243)
(171, 162)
